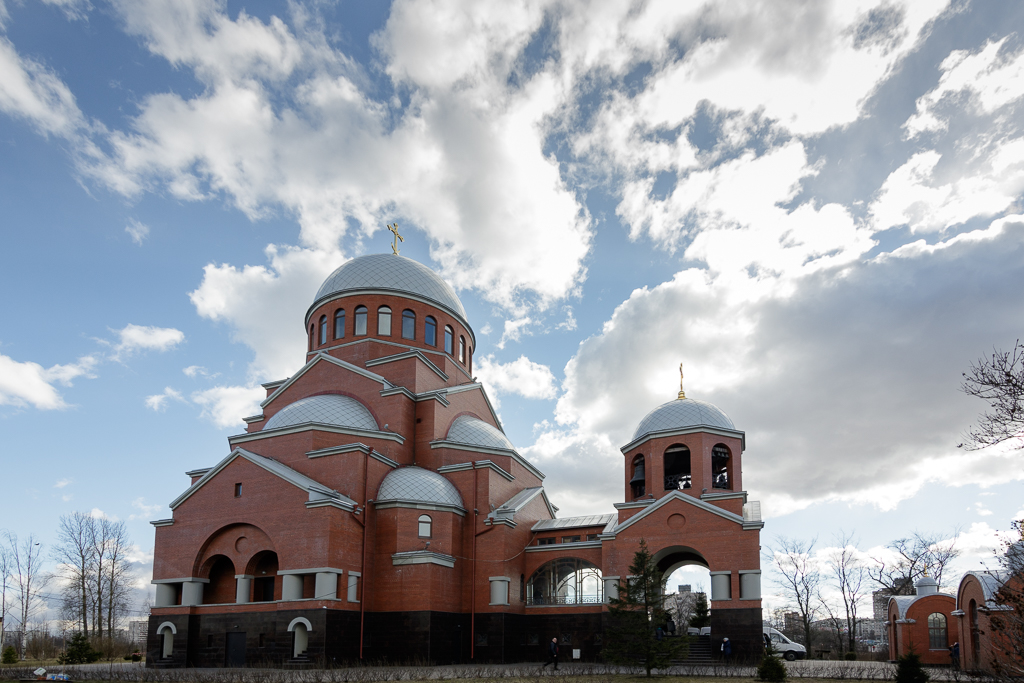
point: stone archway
(673, 557)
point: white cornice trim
(436, 395)
(411, 353)
(311, 570)
(634, 504)
(477, 465)
(318, 426)
(696, 429)
(321, 356)
(366, 339)
(253, 418)
(489, 451)
(422, 557)
(418, 505)
(459, 388)
(691, 500)
(186, 579)
(162, 522)
(352, 448)
(563, 546)
(725, 495)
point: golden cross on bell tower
(394, 246)
(682, 394)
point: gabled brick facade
(291, 551)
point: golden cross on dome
(394, 229)
(682, 394)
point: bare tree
(26, 575)
(848, 575)
(92, 557)
(6, 562)
(1008, 624)
(999, 381)
(799, 577)
(916, 555)
(74, 557)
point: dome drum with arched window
(392, 298)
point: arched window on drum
(565, 581)
(384, 321)
(360, 321)
(323, 330)
(408, 324)
(430, 331)
(720, 466)
(339, 323)
(677, 468)
(638, 482)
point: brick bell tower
(684, 495)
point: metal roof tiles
(332, 409)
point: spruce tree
(635, 617)
(701, 613)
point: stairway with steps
(700, 651)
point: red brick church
(375, 508)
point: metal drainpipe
(472, 594)
(365, 576)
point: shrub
(909, 669)
(78, 651)
(771, 667)
(10, 655)
(850, 656)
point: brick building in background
(375, 508)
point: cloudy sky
(816, 206)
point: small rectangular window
(238, 490)
(546, 541)
(262, 643)
(570, 539)
(353, 588)
(591, 537)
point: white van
(783, 645)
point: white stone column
(721, 585)
(499, 589)
(243, 587)
(291, 587)
(166, 595)
(611, 588)
(192, 593)
(750, 584)
(326, 586)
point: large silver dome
(680, 414)
(417, 485)
(390, 273)
(331, 409)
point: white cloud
(871, 420)
(134, 338)
(137, 231)
(225, 406)
(514, 330)
(522, 376)
(990, 78)
(30, 91)
(28, 383)
(198, 371)
(62, 483)
(73, 9)
(158, 402)
(265, 305)
(145, 511)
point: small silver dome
(388, 272)
(475, 432)
(417, 485)
(680, 414)
(332, 409)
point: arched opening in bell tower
(678, 475)
(638, 482)
(721, 466)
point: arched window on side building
(937, 637)
(720, 466)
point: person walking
(954, 654)
(552, 654)
(726, 650)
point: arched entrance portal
(673, 557)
